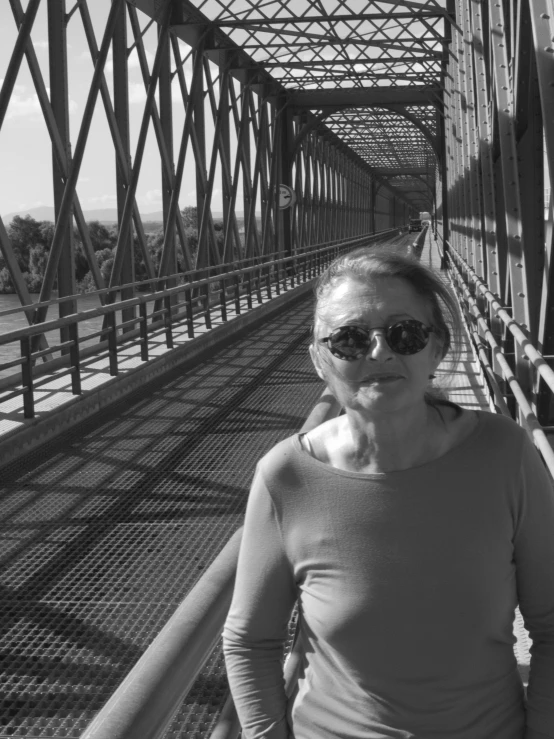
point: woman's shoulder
(492, 432)
(281, 459)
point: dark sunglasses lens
(349, 342)
(408, 337)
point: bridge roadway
(106, 529)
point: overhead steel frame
(499, 131)
(254, 148)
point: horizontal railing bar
(46, 326)
(528, 416)
(12, 363)
(533, 354)
(51, 349)
(145, 702)
(237, 265)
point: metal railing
(196, 297)
(499, 375)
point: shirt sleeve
(257, 625)
(534, 559)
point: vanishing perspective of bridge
(144, 371)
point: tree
(101, 236)
(190, 217)
(25, 233)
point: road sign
(287, 197)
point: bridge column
(121, 111)
(59, 99)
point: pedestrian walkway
(104, 530)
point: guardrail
(144, 704)
(159, 313)
(498, 373)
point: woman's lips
(381, 378)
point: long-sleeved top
(406, 582)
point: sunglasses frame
(386, 329)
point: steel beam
(121, 112)
(59, 100)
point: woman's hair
(368, 264)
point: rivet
(521, 295)
(549, 49)
(495, 273)
(545, 16)
(519, 264)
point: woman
(408, 529)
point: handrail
(533, 354)
(145, 703)
(528, 417)
(166, 313)
(189, 276)
(38, 328)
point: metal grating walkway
(105, 531)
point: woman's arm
(534, 558)
(257, 624)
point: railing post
(167, 322)
(222, 300)
(259, 285)
(112, 342)
(207, 314)
(277, 271)
(249, 290)
(190, 316)
(73, 334)
(143, 332)
(27, 377)
(237, 295)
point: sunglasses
(353, 342)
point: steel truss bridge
(279, 135)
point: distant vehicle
(415, 225)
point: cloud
(153, 196)
(102, 199)
(25, 104)
(137, 93)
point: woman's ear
(438, 352)
(316, 359)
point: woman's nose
(379, 350)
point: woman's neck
(388, 442)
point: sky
(25, 148)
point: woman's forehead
(386, 296)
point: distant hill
(104, 215)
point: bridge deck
(106, 529)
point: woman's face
(381, 381)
